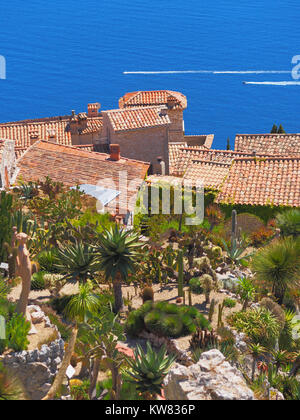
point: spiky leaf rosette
(148, 370)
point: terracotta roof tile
(272, 144)
(24, 132)
(273, 180)
(136, 118)
(211, 174)
(187, 154)
(73, 166)
(156, 97)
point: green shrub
(165, 319)
(59, 304)
(47, 261)
(64, 331)
(260, 325)
(229, 303)
(17, 329)
(289, 222)
(196, 285)
(37, 281)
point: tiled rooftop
(210, 174)
(274, 180)
(73, 166)
(272, 144)
(186, 155)
(136, 118)
(156, 97)
(27, 131)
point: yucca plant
(117, 254)
(148, 370)
(246, 290)
(278, 266)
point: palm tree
(82, 304)
(77, 262)
(278, 265)
(256, 350)
(118, 253)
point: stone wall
(37, 368)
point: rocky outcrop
(212, 378)
(36, 369)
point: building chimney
(115, 152)
(163, 111)
(52, 136)
(33, 136)
(93, 110)
(171, 102)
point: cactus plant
(234, 229)
(220, 315)
(190, 297)
(211, 310)
(180, 273)
(207, 285)
(203, 339)
(147, 294)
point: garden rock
(212, 378)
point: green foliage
(117, 252)
(59, 304)
(165, 319)
(77, 262)
(17, 329)
(63, 329)
(85, 302)
(38, 281)
(6, 209)
(148, 370)
(196, 285)
(48, 261)
(289, 222)
(246, 290)
(277, 266)
(260, 325)
(274, 129)
(147, 294)
(236, 252)
(229, 303)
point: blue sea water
(61, 55)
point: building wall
(91, 138)
(176, 132)
(144, 144)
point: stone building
(175, 102)
(141, 132)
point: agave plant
(117, 254)
(236, 252)
(148, 370)
(77, 262)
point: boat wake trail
(211, 72)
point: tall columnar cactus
(180, 273)
(190, 297)
(234, 227)
(211, 310)
(220, 315)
